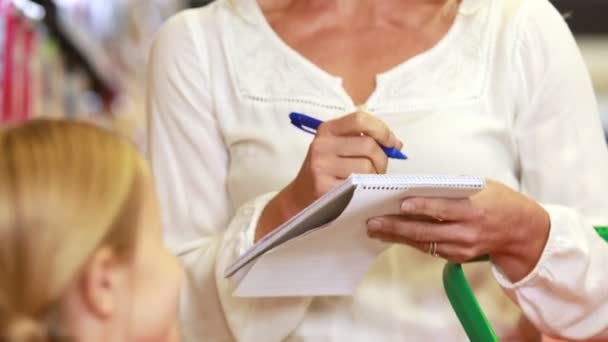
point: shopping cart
(464, 303)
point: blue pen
(311, 125)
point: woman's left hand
(500, 222)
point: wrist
(523, 251)
(280, 209)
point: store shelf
(93, 52)
(595, 51)
(603, 102)
(585, 16)
(28, 9)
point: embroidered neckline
(265, 68)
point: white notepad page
(325, 250)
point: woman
(81, 256)
(495, 88)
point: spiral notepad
(324, 250)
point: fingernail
(395, 142)
(408, 206)
(374, 224)
(399, 143)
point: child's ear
(101, 283)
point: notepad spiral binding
(389, 188)
(404, 182)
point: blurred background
(86, 58)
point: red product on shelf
(18, 42)
(9, 22)
(29, 45)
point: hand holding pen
(311, 125)
(355, 143)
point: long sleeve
(190, 163)
(564, 165)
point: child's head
(81, 256)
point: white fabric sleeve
(190, 164)
(564, 166)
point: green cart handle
(465, 305)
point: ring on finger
(433, 249)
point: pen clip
(298, 121)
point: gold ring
(433, 249)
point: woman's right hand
(341, 147)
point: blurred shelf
(585, 16)
(93, 52)
(595, 51)
(603, 100)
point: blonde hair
(66, 189)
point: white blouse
(504, 95)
